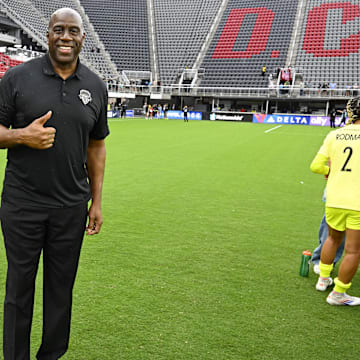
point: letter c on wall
(315, 31)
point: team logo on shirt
(85, 96)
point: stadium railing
(165, 92)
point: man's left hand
(95, 220)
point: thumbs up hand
(37, 136)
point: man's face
(65, 38)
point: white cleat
(323, 283)
(316, 269)
(336, 298)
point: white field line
(274, 128)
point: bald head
(65, 39)
(59, 13)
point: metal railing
(246, 92)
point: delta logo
(285, 119)
(259, 118)
(281, 119)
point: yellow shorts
(341, 219)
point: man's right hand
(37, 136)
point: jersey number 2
(348, 158)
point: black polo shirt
(54, 177)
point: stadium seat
(248, 38)
(123, 28)
(329, 47)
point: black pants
(27, 232)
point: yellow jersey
(342, 148)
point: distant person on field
(166, 108)
(150, 111)
(342, 148)
(145, 110)
(123, 110)
(332, 118)
(185, 110)
(343, 118)
(155, 110)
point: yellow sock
(340, 287)
(325, 269)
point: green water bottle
(305, 263)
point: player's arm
(96, 154)
(34, 135)
(9, 138)
(320, 164)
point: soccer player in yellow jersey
(341, 148)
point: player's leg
(327, 257)
(24, 233)
(323, 234)
(340, 251)
(336, 221)
(347, 270)
(349, 265)
(61, 256)
(331, 246)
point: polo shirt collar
(48, 68)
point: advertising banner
(116, 114)
(295, 120)
(281, 119)
(113, 114)
(129, 113)
(323, 121)
(179, 115)
(232, 117)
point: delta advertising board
(294, 120)
(116, 113)
(179, 115)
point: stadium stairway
(33, 17)
(181, 29)
(123, 27)
(29, 18)
(209, 37)
(93, 50)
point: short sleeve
(325, 147)
(101, 129)
(7, 102)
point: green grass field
(199, 254)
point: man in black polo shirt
(53, 123)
